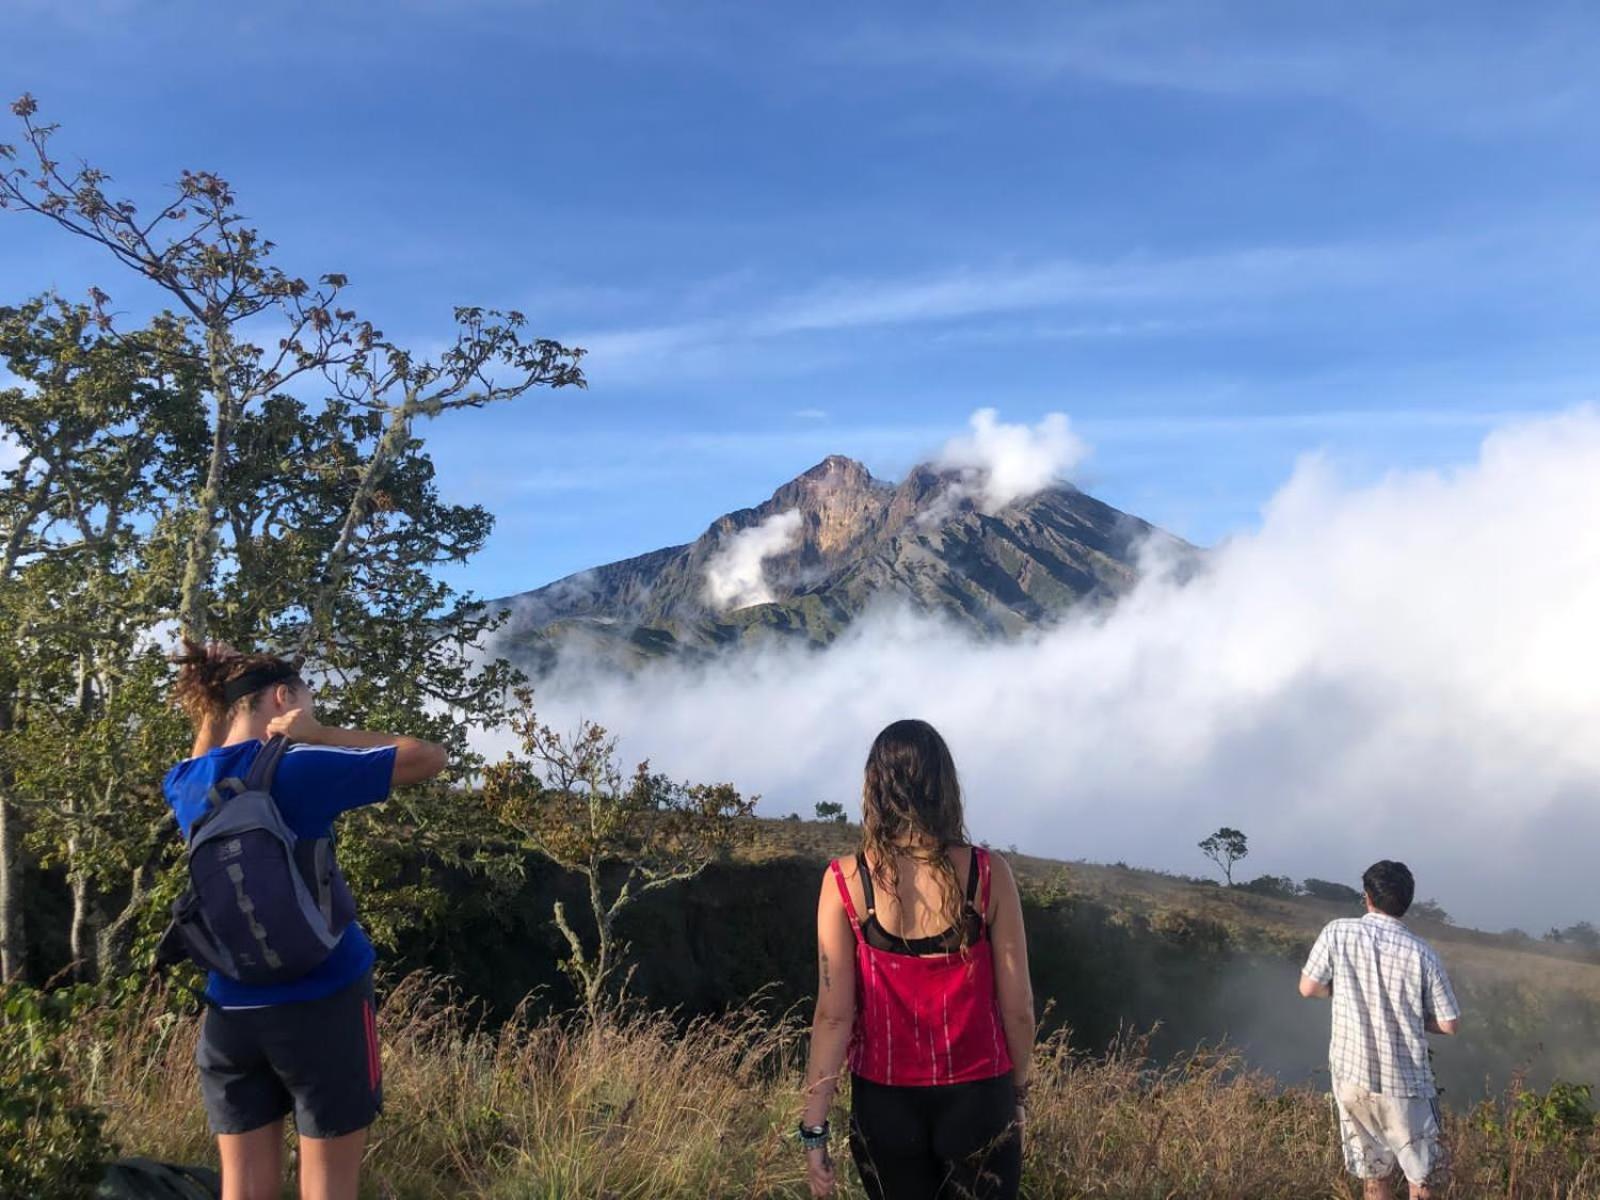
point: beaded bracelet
(814, 1138)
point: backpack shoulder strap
(265, 767)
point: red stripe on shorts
(374, 1061)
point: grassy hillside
(692, 1088)
(1112, 950)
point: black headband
(257, 678)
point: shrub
(1430, 911)
(52, 1145)
(1338, 893)
(1272, 885)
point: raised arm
(1012, 984)
(213, 728)
(414, 759)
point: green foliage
(1338, 893)
(52, 1145)
(1428, 911)
(1047, 891)
(167, 481)
(1555, 1117)
(1272, 885)
(1583, 935)
(831, 810)
(1559, 1121)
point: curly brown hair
(200, 689)
(911, 804)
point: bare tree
(626, 836)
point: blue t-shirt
(313, 785)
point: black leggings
(956, 1141)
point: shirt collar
(1382, 917)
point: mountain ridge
(854, 543)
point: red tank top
(926, 1019)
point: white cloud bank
(736, 574)
(1408, 668)
(1002, 463)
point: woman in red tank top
(922, 989)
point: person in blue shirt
(309, 1046)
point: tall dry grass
(640, 1107)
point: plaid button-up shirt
(1387, 982)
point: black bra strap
(972, 881)
(866, 884)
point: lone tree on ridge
(1226, 847)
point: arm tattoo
(827, 982)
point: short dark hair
(1390, 887)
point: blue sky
(1217, 236)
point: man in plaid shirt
(1389, 992)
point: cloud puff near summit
(1001, 464)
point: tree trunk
(114, 944)
(84, 923)
(202, 550)
(13, 930)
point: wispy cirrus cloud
(1470, 68)
(1133, 295)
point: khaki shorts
(1382, 1132)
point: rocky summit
(830, 546)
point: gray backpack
(262, 906)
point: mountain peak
(859, 543)
(842, 504)
(838, 469)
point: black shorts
(947, 1141)
(318, 1059)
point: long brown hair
(911, 804)
(202, 683)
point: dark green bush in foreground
(52, 1145)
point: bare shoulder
(845, 866)
(1000, 868)
(830, 885)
